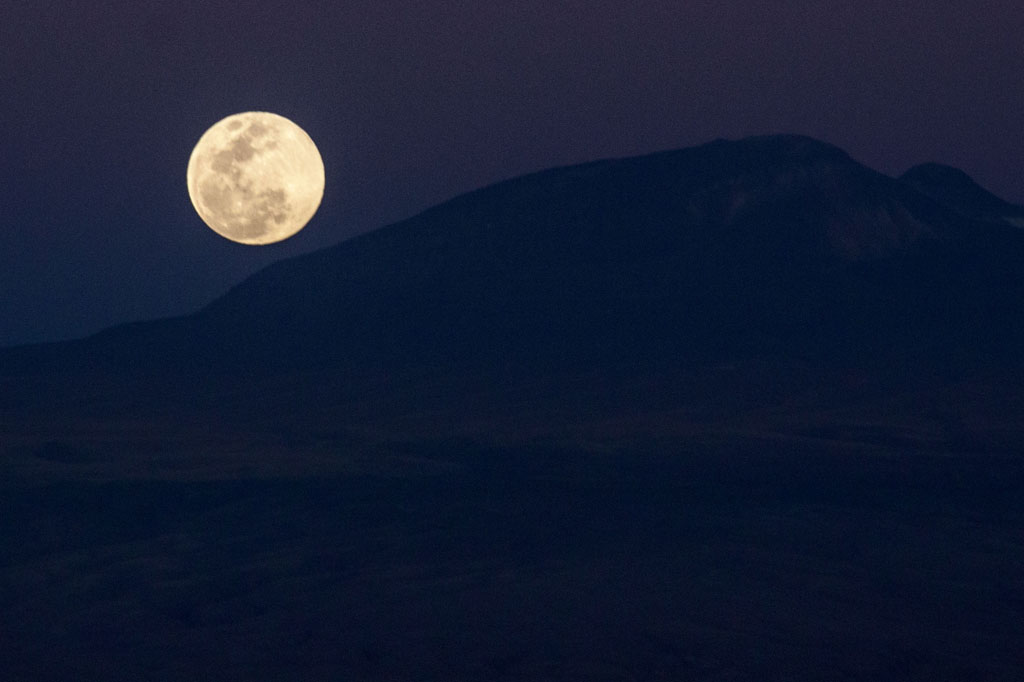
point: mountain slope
(779, 241)
(769, 246)
(636, 419)
(956, 190)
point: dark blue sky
(412, 102)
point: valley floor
(724, 560)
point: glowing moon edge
(255, 178)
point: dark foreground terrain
(742, 559)
(745, 411)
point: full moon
(255, 178)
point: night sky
(412, 103)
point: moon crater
(255, 178)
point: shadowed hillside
(747, 411)
(954, 189)
(765, 247)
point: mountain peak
(956, 190)
(776, 244)
(796, 147)
(747, 238)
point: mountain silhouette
(643, 418)
(957, 191)
(775, 246)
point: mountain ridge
(622, 420)
(958, 191)
(782, 242)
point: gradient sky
(412, 102)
